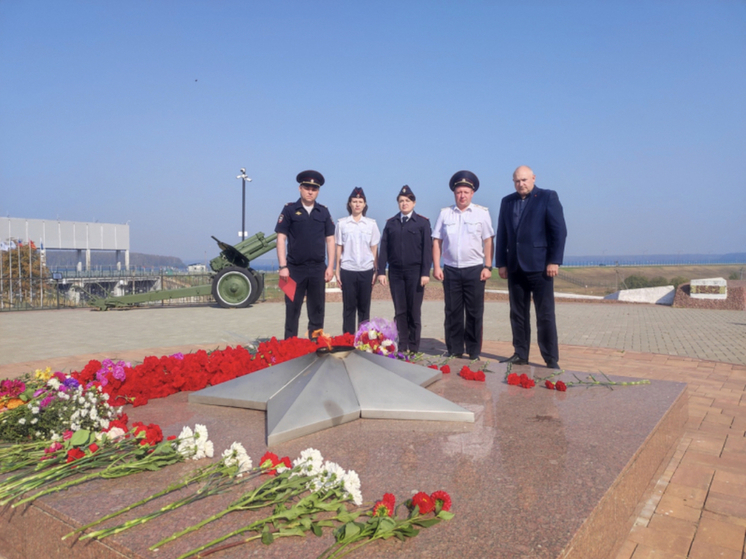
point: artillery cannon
(235, 284)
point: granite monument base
(539, 474)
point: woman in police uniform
(357, 239)
(406, 246)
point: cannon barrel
(244, 252)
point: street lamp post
(244, 180)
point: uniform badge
(298, 213)
(281, 218)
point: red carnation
(561, 386)
(468, 374)
(75, 454)
(526, 382)
(389, 499)
(514, 379)
(442, 500)
(424, 502)
(445, 369)
(270, 461)
(433, 366)
(549, 384)
(382, 508)
(149, 434)
(93, 448)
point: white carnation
(236, 455)
(351, 483)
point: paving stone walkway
(698, 509)
(35, 335)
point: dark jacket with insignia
(306, 232)
(406, 245)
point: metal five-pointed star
(315, 392)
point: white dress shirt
(463, 234)
(356, 238)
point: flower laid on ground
(53, 405)
(234, 467)
(141, 449)
(158, 377)
(386, 506)
(383, 523)
(468, 374)
(524, 381)
(295, 494)
(379, 336)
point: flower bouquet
(377, 335)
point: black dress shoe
(553, 365)
(474, 357)
(515, 359)
(456, 355)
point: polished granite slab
(539, 474)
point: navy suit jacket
(539, 238)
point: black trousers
(356, 292)
(522, 285)
(463, 291)
(407, 294)
(309, 283)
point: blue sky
(145, 111)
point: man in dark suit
(530, 244)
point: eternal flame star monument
(323, 390)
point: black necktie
(404, 218)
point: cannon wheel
(234, 288)
(259, 286)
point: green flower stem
(190, 479)
(163, 455)
(276, 490)
(214, 486)
(608, 382)
(308, 506)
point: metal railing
(75, 290)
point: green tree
(21, 273)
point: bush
(636, 282)
(678, 280)
(658, 281)
(734, 276)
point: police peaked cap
(464, 178)
(311, 178)
(357, 192)
(406, 191)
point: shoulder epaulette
(481, 207)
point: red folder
(288, 287)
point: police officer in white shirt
(462, 239)
(357, 238)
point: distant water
(267, 265)
(655, 259)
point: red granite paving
(699, 508)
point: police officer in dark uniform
(406, 245)
(308, 229)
